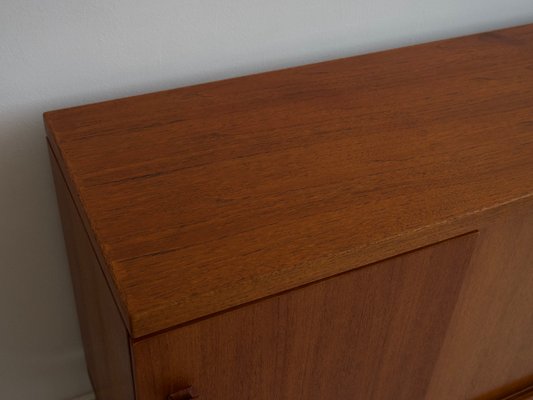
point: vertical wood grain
(105, 338)
(489, 345)
(373, 333)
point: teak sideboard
(354, 229)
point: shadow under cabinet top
(207, 197)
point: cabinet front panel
(488, 351)
(373, 333)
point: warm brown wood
(104, 335)
(373, 333)
(184, 394)
(220, 235)
(490, 339)
(511, 390)
(204, 198)
(524, 394)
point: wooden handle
(184, 394)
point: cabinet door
(488, 351)
(372, 333)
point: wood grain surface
(525, 394)
(105, 339)
(488, 350)
(373, 333)
(203, 198)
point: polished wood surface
(372, 333)
(431, 324)
(525, 394)
(204, 198)
(104, 335)
(488, 351)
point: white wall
(57, 53)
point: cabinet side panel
(104, 336)
(373, 333)
(488, 352)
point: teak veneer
(354, 229)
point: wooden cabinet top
(207, 197)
